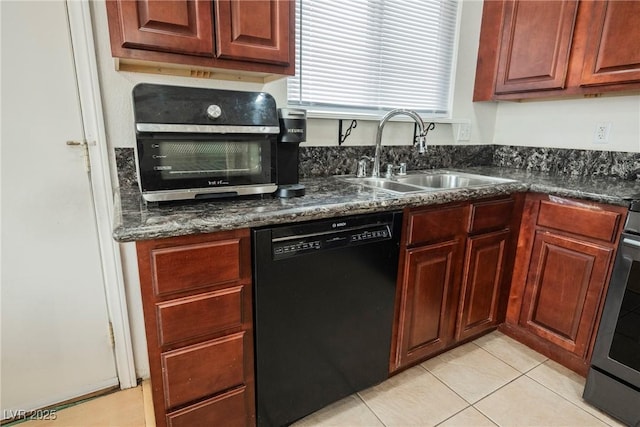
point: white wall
(562, 124)
(570, 123)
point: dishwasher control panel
(292, 248)
(371, 235)
(300, 245)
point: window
(374, 55)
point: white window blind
(374, 55)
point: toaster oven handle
(215, 129)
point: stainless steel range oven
(196, 143)
(613, 382)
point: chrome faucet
(421, 135)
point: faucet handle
(389, 173)
(402, 170)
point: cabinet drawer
(191, 317)
(202, 370)
(194, 266)
(595, 223)
(229, 409)
(437, 224)
(490, 215)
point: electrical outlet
(464, 132)
(601, 133)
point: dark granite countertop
(330, 197)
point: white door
(56, 343)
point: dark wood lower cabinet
(455, 283)
(565, 255)
(197, 301)
(482, 284)
(228, 409)
(455, 266)
(429, 297)
(564, 290)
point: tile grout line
(538, 382)
(559, 395)
(508, 364)
(370, 408)
(469, 405)
(521, 374)
(496, 390)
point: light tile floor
(493, 381)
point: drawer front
(437, 224)
(188, 267)
(595, 223)
(490, 215)
(229, 409)
(196, 316)
(202, 370)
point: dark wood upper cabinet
(536, 39)
(240, 35)
(255, 36)
(169, 26)
(544, 49)
(612, 54)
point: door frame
(83, 46)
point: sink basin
(430, 181)
(385, 184)
(449, 180)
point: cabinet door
(167, 25)
(255, 31)
(564, 286)
(429, 300)
(612, 54)
(230, 409)
(481, 283)
(535, 45)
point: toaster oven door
(221, 162)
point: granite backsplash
(327, 161)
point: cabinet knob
(214, 111)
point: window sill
(373, 116)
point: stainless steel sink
(384, 184)
(425, 182)
(449, 180)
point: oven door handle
(631, 242)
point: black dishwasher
(324, 299)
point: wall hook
(341, 137)
(430, 126)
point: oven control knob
(214, 111)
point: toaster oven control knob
(214, 111)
